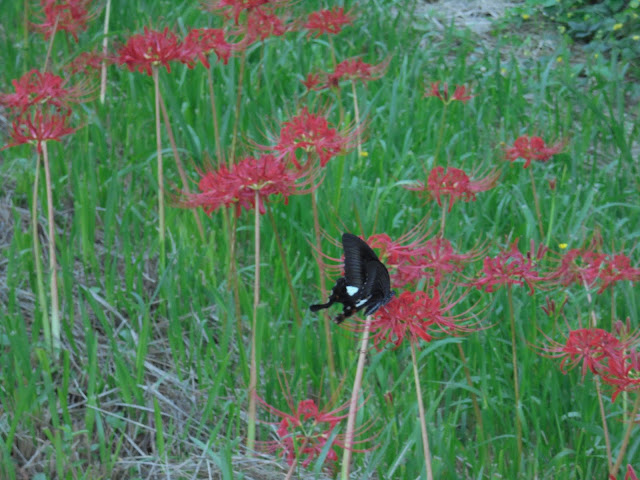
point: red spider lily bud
(552, 184)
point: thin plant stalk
(293, 466)
(236, 120)
(353, 404)
(42, 298)
(161, 227)
(285, 266)
(443, 220)
(536, 202)
(55, 308)
(323, 292)
(50, 46)
(516, 384)
(356, 112)
(176, 156)
(105, 51)
(253, 374)
(443, 118)
(627, 436)
(605, 429)
(214, 112)
(232, 278)
(423, 421)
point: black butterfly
(365, 283)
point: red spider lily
(88, 61)
(327, 21)
(461, 93)
(617, 268)
(37, 88)
(404, 258)
(456, 184)
(586, 268)
(70, 16)
(304, 433)
(312, 82)
(416, 315)
(591, 347)
(313, 134)
(262, 24)
(356, 69)
(236, 186)
(411, 257)
(153, 48)
(39, 126)
(509, 267)
(622, 372)
(614, 359)
(442, 260)
(532, 148)
(234, 8)
(201, 42)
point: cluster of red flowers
(351, 69)
(589, 268)
(70, 16)
(41, 105)
(460, 94)
(237, 185)
(330, 22)
(532, 148)
(509, 267)
(413, 259)
(154, 48)
(416, 315)
(304, 433)
(311, 133)
(615, 360)
(455, 184)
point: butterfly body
(365, 285)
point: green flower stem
(516, 384)
(536, 202)
(214, 112)
(53, 265)
(176, 156)
(605, 429)
(105, 51)
(423, 421)
(627, 436)
(243, 61)
(161, 227)
(42, 298)
(253, 374)
(443, 118)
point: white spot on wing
(362, 302)
(351, 290)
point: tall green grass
(152, 381)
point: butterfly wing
(357, 254)
(378, 287)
